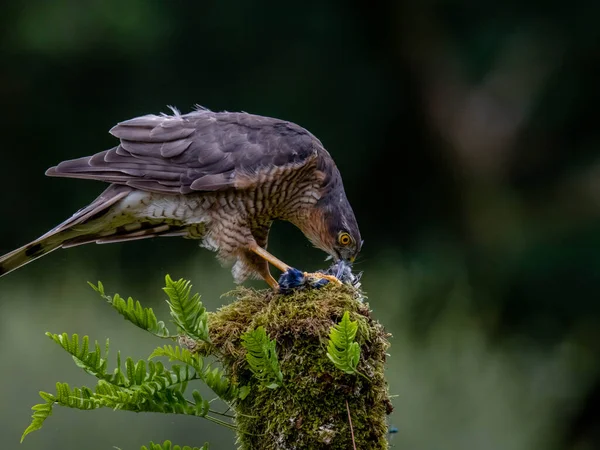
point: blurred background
(466, 137)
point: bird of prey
(218, 177)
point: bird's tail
(63, 235)
(28, 253)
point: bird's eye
(344, 239)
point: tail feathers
(70, 238)
(108, 198)
(130, 232)
(89, 225)
(26, 254)
(63, 233)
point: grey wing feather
(199, 151)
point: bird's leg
(270, 280)
(257, 258)
(263, 269)
(270, 258)
(284, 268)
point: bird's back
(215, 176)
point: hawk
(219, 177)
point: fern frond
(118, 397)
(168, 446)
(41, 412)
(179, 354)
(143, 386)
(92, 362)
(134, 312)
(221, 385)
(243, 392)
(214, 379)
(342, 349)
(168, 401)
(148, 374)
(262, 357)
(77, 398)
(187, 312)
(201, 406)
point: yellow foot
(321, 276)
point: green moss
(309, 410)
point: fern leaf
(179, 354)
(342, 350)
(78, 398)
(133, 311)
(187, 312)
(146, 386)
(41, 412)
(214, 379)
(168, 446)
(243, 392)
(221, 385)
(91, 362)
(150, 388)
(262, 357)
(201, 406)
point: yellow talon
(318, 275)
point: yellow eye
(344, 239)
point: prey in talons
(338, 273)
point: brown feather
(241, 172)
(199, 151)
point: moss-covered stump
(310, 410)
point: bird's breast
(224, 220)
(181, 209)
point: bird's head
(344, 241)
(332, 227)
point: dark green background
(467, 136)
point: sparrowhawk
(218, 177)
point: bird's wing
(199, 151)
